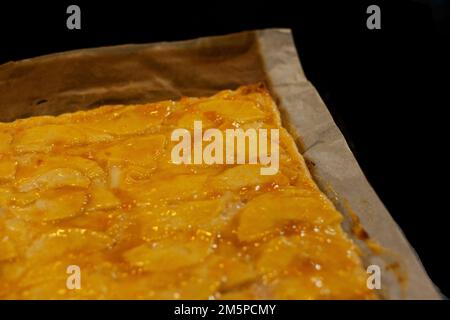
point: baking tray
(88, 78)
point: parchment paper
(84, 79)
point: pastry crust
(97, 189)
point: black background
(385, 88)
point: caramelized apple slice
(141, 151)
(166, 164)
(33, 165)
(181, 187)
(43, 138)
(327, 287)
(231, 266)
(198, 287)
(102, 199)
(57, 204)
(134, 172)
(64, 241)
(280, 254)
(169, 254)
(180, 284)
(89, 168)
(296, 288)
(202, 289)
(303, 261)
(266, 213)
(205, 215)
(187, 121)
(126, 122)
(92, 220)
(19, 232)
(56, 178)
(309, 252)
(11, 272)
(7, 249)
(23, 199)
(7, 169)
(236, 110)
(5, 197)
(5, 141)
(48, 281)
(245, 176)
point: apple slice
(126, 121)
(7, 169)
(56, 204)
(235, 110)
(169, 254)
(43, 138)
(246, 175)
(102, 198)
(192, 215)
(267, 212)
(64, 241)
(180, 187)
(55, 178)
(5, 142)
(140, 151)
(7, 249)
(5, 196)
(309, 251)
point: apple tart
(99, 190)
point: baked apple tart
(97, 194)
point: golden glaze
(97, 189)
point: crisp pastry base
(97, 189)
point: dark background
(385, 88)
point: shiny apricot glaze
(97, 189)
